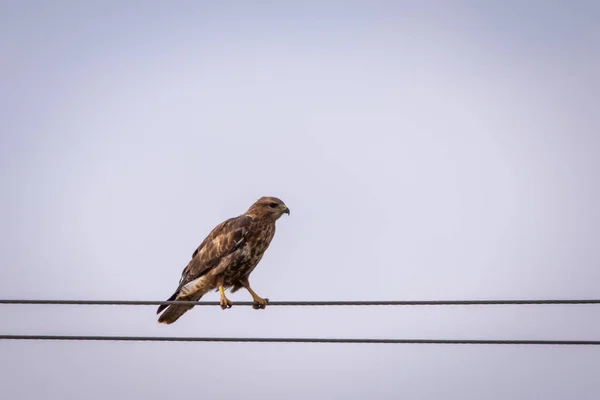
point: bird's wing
(225, 238)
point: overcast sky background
(427, 150)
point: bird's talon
(260, 304)
(226, 303)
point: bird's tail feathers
(163, 306)
(174, 311)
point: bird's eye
(272, 205)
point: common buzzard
(226, 258)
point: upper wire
(308, 303)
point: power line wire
(299, 340)
(307, 303)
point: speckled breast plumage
(249, 254)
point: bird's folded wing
(225, 238)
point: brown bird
(226, 258)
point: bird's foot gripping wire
(224, 301)
(260, 303)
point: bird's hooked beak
(286, 210)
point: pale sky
(427, 150)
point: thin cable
(299, 340)
(306, 303)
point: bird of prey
(226, 258)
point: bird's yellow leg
(225, 302)
(259, 302)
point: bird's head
(268, 207)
